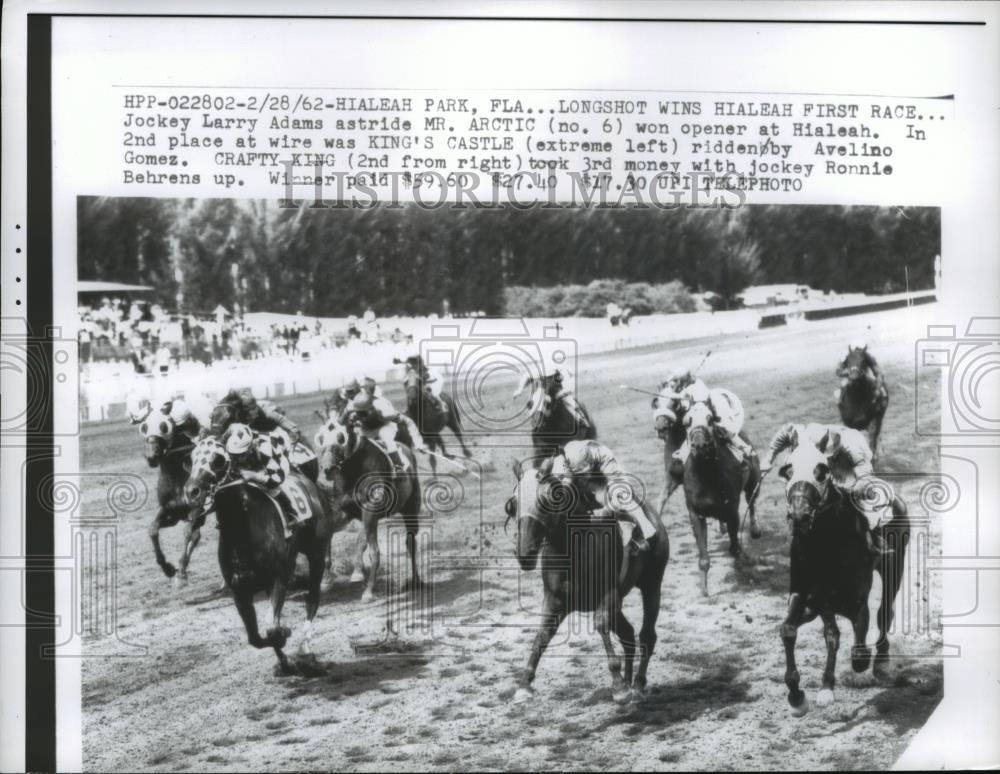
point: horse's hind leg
(861, 654)
(604, 620)
(412, 524)
(831, 634)
(891, 571)
(626, 635)
(733, 528)
(647, 635)
(277, 634)
(244, 606)
(553, 613)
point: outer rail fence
(103, 395)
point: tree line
(412, 261)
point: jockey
(187, 419)
(253, 456)
(377, 418)
(431, 379)
(668, 406)
(594, 466)
(138, 407)
(850, 459)
(565, 391)
(846, 450)
(265, 416)
(727, 413)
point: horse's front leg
(155, 526)
(831, 634)
(789, 633)
(647, 635)
(277, 634)
(733, 528)
(701, 539)
(370, 522)
(553, 614)
(192, 536)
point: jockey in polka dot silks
(594, 467)
(254, 457)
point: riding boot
(398, 462)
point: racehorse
(167, 449)
(254, 554)
(552, 424)
(862, 399)
(370, 489)
(582, 569)
(832, 567)
(713, 480)
(430, 420)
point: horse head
(158, 433)
(223, 415)
(333, 440)
(210, 467)
(701, 431)
(540, 504)
(808, 480)
(413, 384)
(855, 365)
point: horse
(168, 449)
(370, 489)
(429, 419)
(254, 554)
(552, 424)
(713, 480)
(582, 569)
(862, 398)
(832, 567)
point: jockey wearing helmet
(377, 418)
(265, 417)
(254, 457)
(595, 467)
(668, 406)
(727, 416)
(850, 459)
(564, 392)
(431, 380)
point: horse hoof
(169, 570)
(802, 709)
(367, 597)
(639, 694)
(824, 698)
(622, 696)
(756, 532)
(357, 576)
(880, 668)
(522, 695)
(180, 581)
(860, 659)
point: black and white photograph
(535, 462)
(494, 386)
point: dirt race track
(437, 695)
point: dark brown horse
(582, 554)
(863, 397)
(429, 418)
(254, 554)
(553, 424)
(713, 481)
(169, 450)
(832, 569)
(370, 489)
